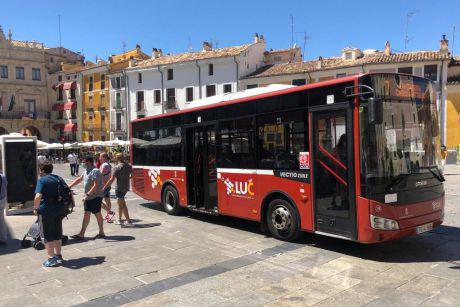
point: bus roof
(249, 95)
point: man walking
(73, 162)
(106, 170)
(50, 214)
(122, 173)
(3, 203)
(92, 181)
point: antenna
(59, 26)
(409, 16)
(305, 39)
(292, 30)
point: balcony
(24, 115)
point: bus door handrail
(327, 153)
(333, 173)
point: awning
(55, 86)
(71, 105)
(58, 107)
(70, 85)
(70, 127)
(58, 126)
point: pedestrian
(77, 164)
(49, 213)
(106, 170)
(3, 204)
(92, 181)
(72, 161)
(122, 172)
(41, 158)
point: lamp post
(62, 141)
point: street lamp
(62, 141)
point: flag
(10, 107)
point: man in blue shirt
(50, 213)
(92, 181)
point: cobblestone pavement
(196, 260)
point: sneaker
(127, 223)
(118, 222)
(51, 262)
(58, 258)
(110, 216)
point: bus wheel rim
(170, 201)
(281, 219)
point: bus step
(213, 211)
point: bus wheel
(170, 201)
(282, 220)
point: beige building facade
(23, 88)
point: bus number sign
(304, 160)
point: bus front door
(201, 167)
(333, 188)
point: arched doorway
(3, 131)
(31, 131)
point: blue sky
(99, 28)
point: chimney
(10, 35)
(319, 64)
(256, 38)
(444, 46)
(156, 53)
(387, 49)
(207, 46)
(138, 47)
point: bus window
(281, 137)
(236, 143)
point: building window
(348, 56)
(51, 59)
(68, 78)
(139, 78)
(118, 122)
(59, 78)
(140, 101)
(118, 82)
(431, 72)
(90, 102)
(102, 81)
(170, 74)
(60, 115)
(277, 58)
(210, 90)
(73, 114)
(157, 96)
(91, 83)
(4, 72)
(171, 98)
(72, 93)
(299, 82)
(211, 69)
(103, 119)
(249, 86)
(36, 74)
(405, 70)
(102, 138)
(118, 101)
(90, 138)
(340, 75)
(60, 94)
(227, 88)
(189, 94)
(102, 100)
(20, 73)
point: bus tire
(170, 200)
(283, 220)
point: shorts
(51, 227)
(93, 205)
(107, 192)
(120, 194)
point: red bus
(355, 158)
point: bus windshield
(401, 140)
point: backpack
(65, 198)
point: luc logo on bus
(239, 188)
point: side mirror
(374, 111)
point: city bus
(356, 158)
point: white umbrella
(54, 146)
(42, 145)
(71, 145)
(118, 143)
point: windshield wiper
(400, 178)
(438, 176)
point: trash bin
(451, 157)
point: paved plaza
(197, 260)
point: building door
(332, 180)
(201, 167)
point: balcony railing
(171, 103)
(24, 115)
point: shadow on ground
(82, 262)
(441, 244)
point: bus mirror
(374, 111)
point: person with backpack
(92, 181)
(50, 212)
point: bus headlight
(378, 222)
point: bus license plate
(424, 228)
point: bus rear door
(332, 180)
(200, 153)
